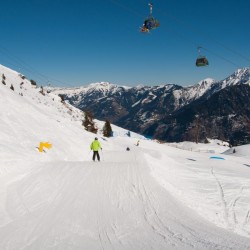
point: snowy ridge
(183, 95)
(239, 76)
(210, 86)
(188, 94)
(102, 87)
(151, 197)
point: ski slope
(154, 196)
(114, 204)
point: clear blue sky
(78, 42)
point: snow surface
(155, 196)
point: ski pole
(102, 155)
(90, 151)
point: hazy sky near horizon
(76, 42)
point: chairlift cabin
(201, 61)
(150, 22)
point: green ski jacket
(95, 145)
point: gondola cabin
(201, 61)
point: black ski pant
(96, 153)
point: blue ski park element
(217, 158)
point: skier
(95, 146)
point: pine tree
(88, 122)
(206, 141)
(62, 98)
(33, 82)
(3, 79)
(107, 130)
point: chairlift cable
(150, 8)
(126, 8)
(194, 30)
(21, 64)
(221, 57)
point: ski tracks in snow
(232, 221)
(103, 205)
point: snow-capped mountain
(168, 112)
(241, 76)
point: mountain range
(209, 109)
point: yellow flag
(44, 144)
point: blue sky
(77, 42)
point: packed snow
(154, 196)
